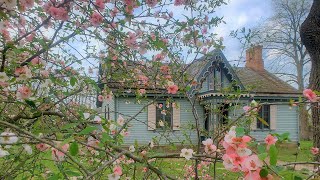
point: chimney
(254, 58)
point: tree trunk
(310, 36)
(305, 125)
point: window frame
(267, 117)
(164, 116)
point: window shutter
(273, 117)
(253, 124)
(176, 117)
(152, 117)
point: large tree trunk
(305, 126)
(310, 36)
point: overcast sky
(238, 14)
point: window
(211, 81)
(224, 114)
(215, 79)
(163, 115)
(264, 113)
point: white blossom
(131, 148)
(3, 153)
(3, 76)
(27, 148)
(8, 138)
(186, 153)
(120, 120)
(86, 115)
(113, 177)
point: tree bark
(310, 36)
(305, 125)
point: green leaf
(31, 104)
(54, 177)
(273, 152)
(263, 156)
(105, 137)
(72, 173)
(69, 126)
(264, 173)
(263, 121)
(87, 130)
(240, 131)
(74, 148)
(297, 178)
(73, 81)
(261, 149)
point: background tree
(310, 36)
(285, 53)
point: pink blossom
(204, 30)
(42, 147)
(45, 73)
(109, 96)
(164, 69)
(236, 159)
(253, 175)
(143, 79)
(30, 37)
(252, 163)
(35, 61)
(96, 19)
(23, 92)
(246, 108)
(59, 13)
(58, 155)
(151, 3)
(209, 148)
(179, 2)
(310, 95)
(145, 169)
(131, 40)
(27, 3)
(142, 91)
(92, 143)
(228, 163)
(270, 140)
(100, 98)
(100, 4)
(173, 89)
(114, 12)
(158, 57)
(153, 37)
(314, 150)
(117, 170)
(240, 142)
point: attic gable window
(215, 79)
(163, 115)
(264, 113)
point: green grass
(175, 167)
(288, 152)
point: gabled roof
(202, 67)
(263, 82)
(256, 82)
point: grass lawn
(175, 167)
(288, 153)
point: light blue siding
(138, 127)
(205, 86)
(287, 121)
